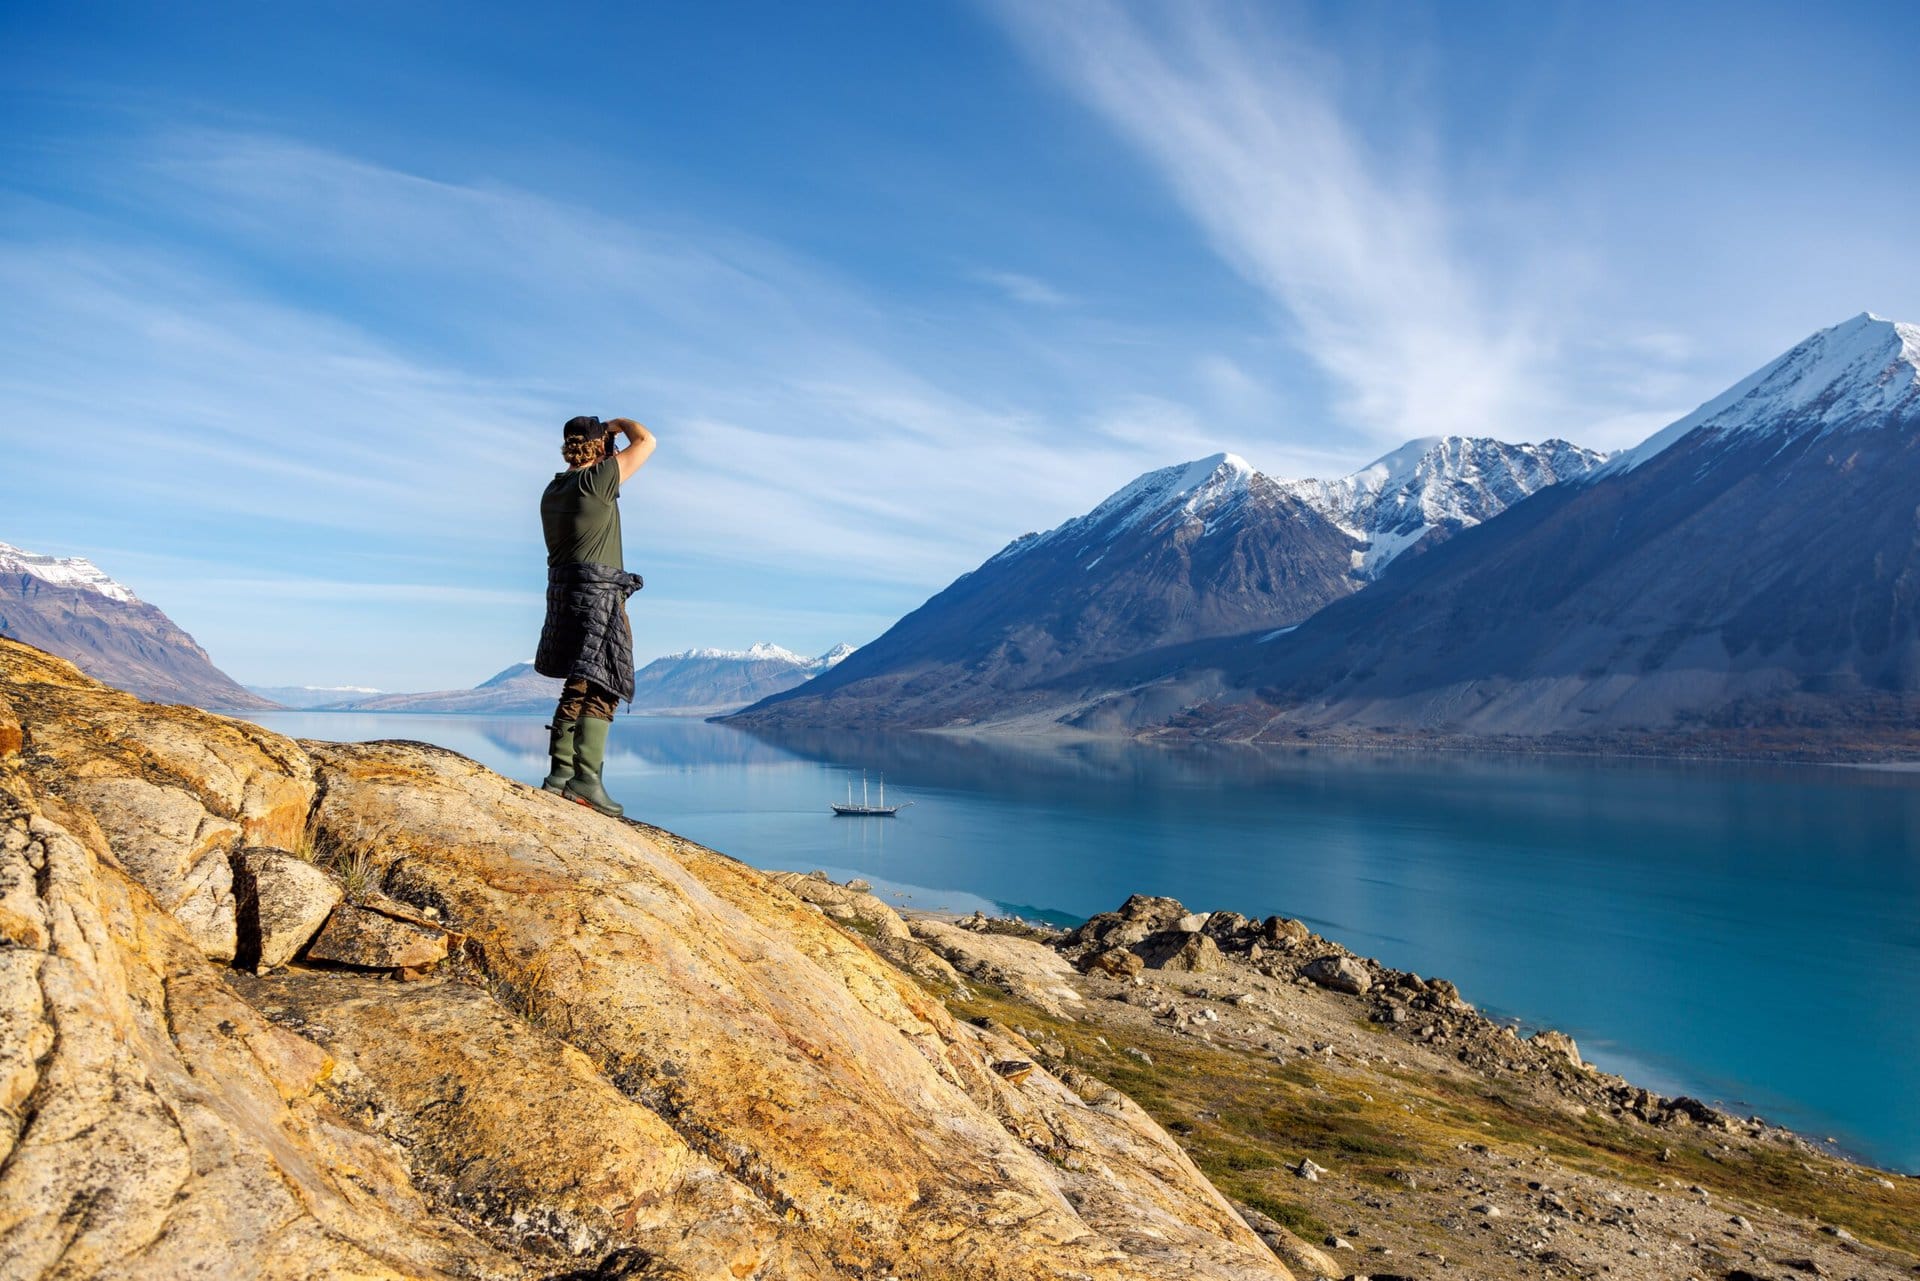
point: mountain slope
(699, 680)
(69, 607)
(1755, 564)
(1185, 554)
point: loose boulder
(282, 904)
(1152, 911)
(1281, 931)
(372, 940)
(1179, 951)
(1338, 973)
(1117, 961)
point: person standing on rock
(586, 639)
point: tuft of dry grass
(360, 875)
(304, 847)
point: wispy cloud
(1023, 288)
(1361, 249)
(265, 434)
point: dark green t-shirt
(581, 515)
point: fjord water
(1749, 935)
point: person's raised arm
(640, 443)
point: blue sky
(293, 299)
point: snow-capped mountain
(68, 606)
(1858, 375)
(1750, 574)
(708, 680)
(63, 571)
(1202, 494)
(1432, 488)
(1177, 560)
(697, 681)
(762, 652)
(1181, 555)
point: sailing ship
(865, 807)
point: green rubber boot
(560, 748)
(589, 754)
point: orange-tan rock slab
(523, 1131)
(156, 1125)
(778, 1045)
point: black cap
(585, 427)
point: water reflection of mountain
(657, 740)
(1002, 764)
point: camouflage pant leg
(584, 698)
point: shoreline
(1053, 934)
(1366, 1109)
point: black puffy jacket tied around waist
(585, 636)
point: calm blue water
(1747, 935)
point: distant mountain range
(1156, 575)
(1747, 579)
(69, 607)
(307, 697)
(696, 682)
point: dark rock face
(1178, 950)
(108, 633)
(1182, 556)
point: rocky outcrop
(152, 1122)
(637, 1048)
(169, 793)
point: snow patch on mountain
(1859, 373)
(1436, 482)
(62, 571)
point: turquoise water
(1748, 935)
